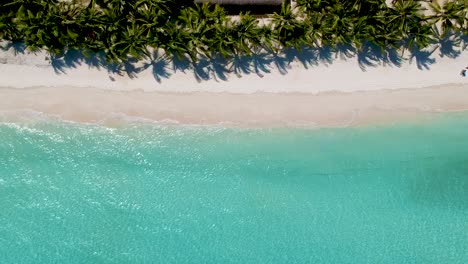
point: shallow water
(144, 193)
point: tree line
(121, 28)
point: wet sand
(332, 109)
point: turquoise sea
(148, 193)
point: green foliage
(452, 15)
(123, 28)
(288, 30)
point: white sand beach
(312, 88)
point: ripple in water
(144, 193)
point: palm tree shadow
(392, 57)
(180, 64)
(447, 44)
(114, 69)
(95, 60)
(127, 67)
(371, 55)
(219, 66)
(159, 67)
(201, 70)
(69, 59)
(18, 47)
(464, 42)
(240, 65)
(58, 64)
(344, 51)
(260, 63)
(307, 56)
(325, 54)
(73, 58)
(131, 69)
(423, 58)
(280, 62)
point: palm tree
(421, 36)
(174, 40)
(381, 34)
(311, 6)
(336, 25)
(131, 43)
(247, 34)
(266, 35)
(8, 30)
(41, 27)
(223, 41)
(124, 28)
(71, 30)
(89, 26)
(288, 30)
(405, 14)
(450, 16)
(367, 8)
(407, 18)
(15, 12)
(200, 23)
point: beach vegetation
(183, 29)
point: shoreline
(311, 93)
(255, 110)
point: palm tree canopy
(194, 28)
(242, 2)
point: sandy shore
(302, 89)
(311, 71)
(334, 109)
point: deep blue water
(145, 193)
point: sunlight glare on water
(144, 193)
